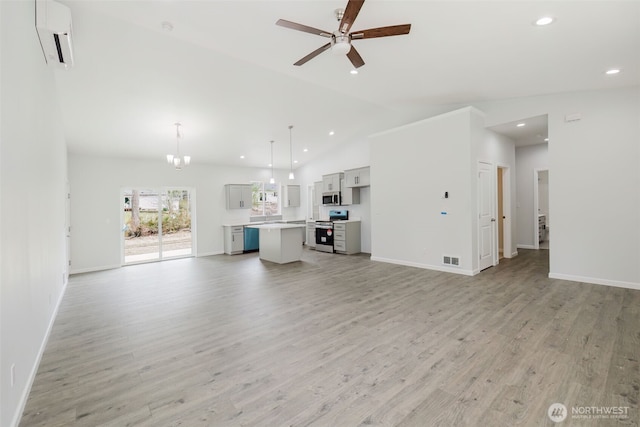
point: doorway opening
(541, 209)
(157, 224)
(503, 193)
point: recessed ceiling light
(520, 125)
(354, 71)
(269, 165)
(331, 133)
(545, 20)
(295, 161)
(242, 157)
(613, 71)
(305, 150)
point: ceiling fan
(341, 38)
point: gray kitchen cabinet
(350, 195)
(311, 234)
(346, 238)
(292, 199)
(359, 177)
(233, 239)
(332, 182)
(238, 196)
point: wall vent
(453, 261)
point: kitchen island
(280, 243)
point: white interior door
(486, 215)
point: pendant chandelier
(176, 160)
(291, 176)
(272, 180)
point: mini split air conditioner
(53, 23)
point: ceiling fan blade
(314, 54)
(304, 28)
(392, 30)
(355, 57)
(350, 14)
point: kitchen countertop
(338, 220)
(278, 226)
(278, 221)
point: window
(265, 199)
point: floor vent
(451, 260)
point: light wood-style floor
(335, 341)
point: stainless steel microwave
(332, 198)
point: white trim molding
(426, 266)
(520, 246)
(595, 281)
(22, 403)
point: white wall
(411, 168)
(33, 189)
(528, 159)
(96, 185)
(594, 174)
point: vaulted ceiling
(225, 70)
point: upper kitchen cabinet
(331, 182)
(238, 196)
(350, 195)
(359, 177)
(292, 198)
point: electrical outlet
(13, 374)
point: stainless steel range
(324, 230)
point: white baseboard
(426, 266)
(200, 255)
(595, 281)
(22, 403)
(93, 269)
(525, 247)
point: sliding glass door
(177, 240)
(156, 224)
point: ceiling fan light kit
(340, 44)
(341, 39)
